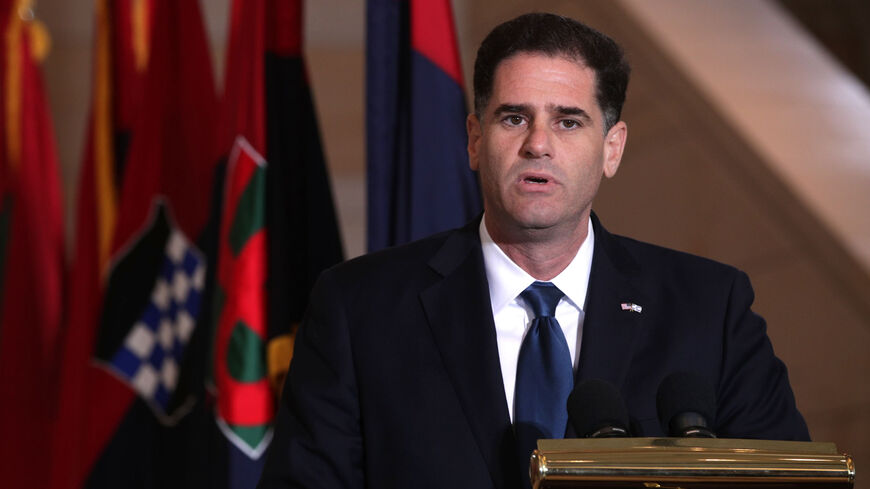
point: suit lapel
(460, 317)
(609, 329)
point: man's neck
(542, 253)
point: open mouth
(539, 180)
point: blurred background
(749, 143)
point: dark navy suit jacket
(395, 380)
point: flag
(245, 401)
(32, 262)
(267, 104)
(134, 346)
(419, 181)
(120, 59)
(152, 301)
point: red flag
(31, 249)
(119, 62)
(244, 101)
(267, 102)
(152, 58)
(246, 406)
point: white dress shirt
(512, 317)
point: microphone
(596, 410)
(686, 405)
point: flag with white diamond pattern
(152, 304)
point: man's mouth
(536, 180)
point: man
(425, 365)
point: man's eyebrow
(511, 108)
(567, 110)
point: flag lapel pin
(630, 306)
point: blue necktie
(545, 375)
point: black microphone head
(596, 409)
(686, 401)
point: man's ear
(614, 144)
(472, 127)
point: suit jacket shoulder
(693, 314)
(395, 379)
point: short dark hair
(555, 35)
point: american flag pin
(628, 306)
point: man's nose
(537, 143)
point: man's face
(540, 147)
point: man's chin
(542, 223)
(538, 219)
(538, 226)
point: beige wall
(690, 180)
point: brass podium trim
(689, 463)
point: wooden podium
(669, 463)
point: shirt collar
(507, 280)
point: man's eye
(570, 124)
(514, 120)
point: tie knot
(542, 297)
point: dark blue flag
(419, 181)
